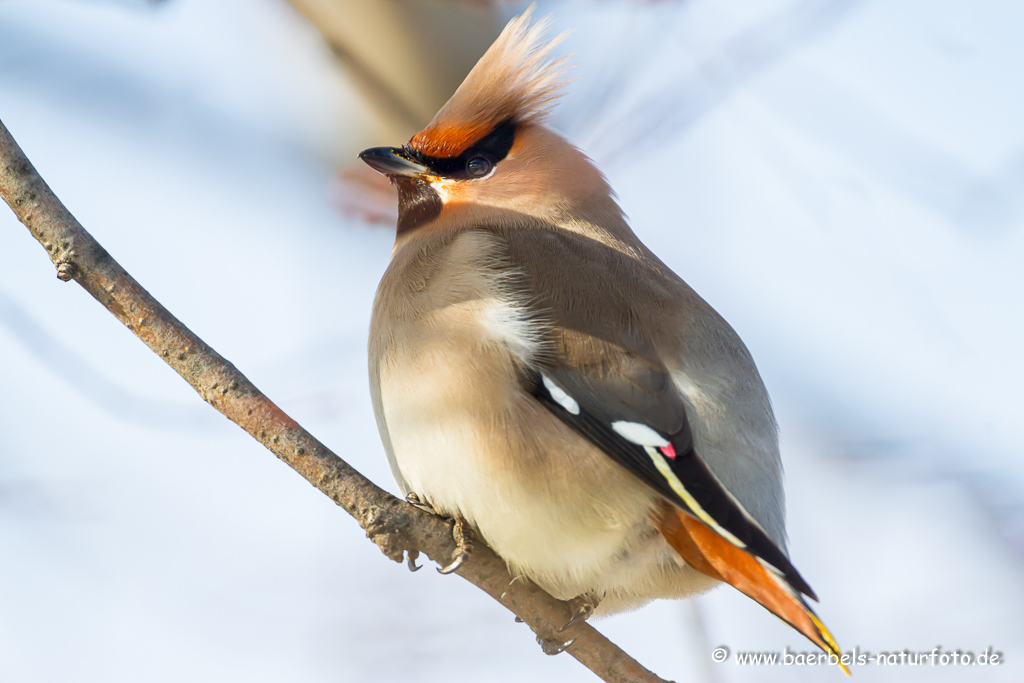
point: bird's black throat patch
(418, 203)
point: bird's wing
(601, 376)
(704, 523)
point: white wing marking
(561, 398)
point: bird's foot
(554, 647)
(413, 498)
(464, 546)
(582, 607)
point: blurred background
(842, 179)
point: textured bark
(392, 524)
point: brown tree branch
(392, 524)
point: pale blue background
(844, 181)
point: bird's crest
(516, 80)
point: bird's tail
(710, 554)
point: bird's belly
(466, 438)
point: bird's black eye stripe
(477, 161)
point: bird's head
(487, 149)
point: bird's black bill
(392, 161)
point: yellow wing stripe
(691, 502)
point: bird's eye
(478, 167)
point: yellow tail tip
(832, 647)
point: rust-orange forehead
(446, 141)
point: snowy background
(843, 180)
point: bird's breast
(465, 436)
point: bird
(542, 378)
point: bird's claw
(554, 647)
(410, 561)
(459, 560)
(584, 606)
(413, 498)
(464, 546)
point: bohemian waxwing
(540, 376)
